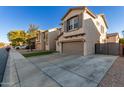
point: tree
(31, 34)
(121, 41)
(20, 37)
(2, 44)
(32, 28)
(17, 37)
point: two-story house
(81, 30)
(46, 39)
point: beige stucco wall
(100, 20)
(38, 46)
(92, 36)
(86, 15)
(40, 43)
(75, 32)
(103, 35)
(57, 46)
(52, 40)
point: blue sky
(19, 18)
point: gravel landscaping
(115, 76)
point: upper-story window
(46, 38)
(38, 36)
(72, 23)
(98, 24)
(102, 29)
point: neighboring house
(39, 40)
(81, 30)
(113, 38)
(46, 39)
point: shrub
(121, 41)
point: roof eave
(71, 10)
(103, 16)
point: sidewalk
(21, 72)
(3, 61)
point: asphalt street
(3, 61)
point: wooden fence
(107, 48)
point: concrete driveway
(72, 71)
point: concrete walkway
(56, 70)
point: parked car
(20, 47)
(17, 47)
(27, 47)
(23, 47)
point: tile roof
(112, 34)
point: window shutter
(80, 20)
(65, 26)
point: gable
(72, 13)
(71, 9)
(103, 20)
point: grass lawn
(38, 53)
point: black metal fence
(107, 48)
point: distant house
(81, 30)
(46, 39)
(113, 38)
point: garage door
(75, 48)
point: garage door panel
(75, 48)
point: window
(102, 29)
(46, 38)
(72, 23)
(98, 24)
(38, 37)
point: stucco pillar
(85, 49)
(60, 47)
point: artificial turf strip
(38, 53)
